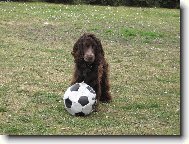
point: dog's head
(88, 48)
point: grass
(142, 46)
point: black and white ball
(79, 99)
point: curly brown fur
(91, 66)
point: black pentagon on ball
(83, 100)
(68, 103)
(91, 89)
(74, 87)
(79, 114)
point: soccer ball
(79, 99)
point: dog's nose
(89, 57)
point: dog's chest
(88, 70)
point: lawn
(142, 47)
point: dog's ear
(99, 45)
(75, 49)
(100, 48)
(77, 52)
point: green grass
(142, 46)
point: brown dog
(91, 66)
